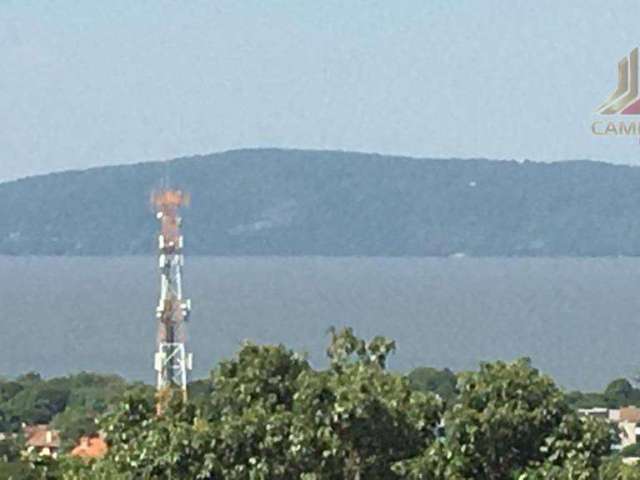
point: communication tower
(172, 362)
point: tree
(575, 450)
(10, 449)
(71, 403)
(620, 393)
(632, 450)
(73, 423)
(16, 471)
(251, 421)
(614, 469)
(578, 399)
(200, 392)
(509, 419)
(37, 404)
(441, 382)
(367, 419)
(272, 417)
(259, 375)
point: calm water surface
(577, 319)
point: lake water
(576, 318)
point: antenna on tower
(172, 362)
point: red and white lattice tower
(172, 362)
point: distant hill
(295, 202)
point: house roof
(90, 447)
(42, 438)
(630, 414)
(31, 429)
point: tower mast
(172, 362)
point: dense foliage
(619, 393)
(441, 382)
(268, 415)
(293, 202)
(507, 421)
(75, 399)
(70, 405)
(271, 416)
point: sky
(88, 83)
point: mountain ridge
(335, 203)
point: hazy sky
(87, 83)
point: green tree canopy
(441, 382)
(268, 415)
(620, 393)
(509, 419)
(273, 417)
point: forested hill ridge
(297, 202)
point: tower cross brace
(172, 362)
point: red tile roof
(90, 447)
(630, 414)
